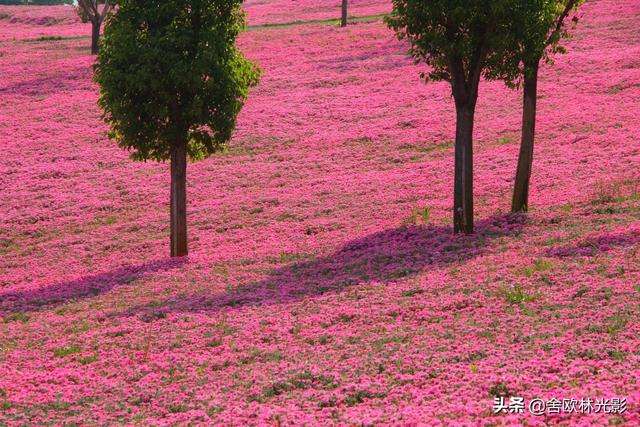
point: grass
(360, 396)
(87, 360)
(538, 266)
(412, 292)
(66, 351)
(331, 21)
(286, 257)
(506, 140)
(429, 148)
(54, 39)
(500, 389)
(516, 295)
(16, 317)
(419, 216)
(302, 381)
(7, 245)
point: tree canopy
(171, 67)
(534, 33)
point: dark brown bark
(463, 178)
(343, 22)
(95, 35)
(179, 198)
(520, 201)
(465, 92)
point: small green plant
(273, 356)
(616, 323)
(109, 220)
(6, 245)
(88, 360)
(538, 266)
(567, 207)
(617, 355)
(419, 216)
(516, 294)
(506, 140)
(174, 409)
(66, 350)
(360, 396)
(500, 389)
(48, 38)
(289, 257)
(16, 317)
(605, 192)
(412, 292)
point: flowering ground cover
(261, 12)
(323, 284)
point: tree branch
(477, 60)
(105, 10)
(456, 68)
(570, 5)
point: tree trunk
(463, 180)
(343, 23)
(95, 35)
(179, 198)
(520, 202)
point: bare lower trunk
(95, 36)
(343, 22)
(520, 202)
(463, 180)
(179, 199)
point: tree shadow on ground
(597, 244)
(382, 257)
(84, 287)
(73, 79)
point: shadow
(84, 287)
(385, 257)
(596, 244)
(73, 79)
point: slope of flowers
(261, 12)
(323, 285)
(37, 15)
(24, 22)
(62, 21)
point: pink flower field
(324, 285)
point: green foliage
(419, 216)
(533, 33)
(515, 295)
(442, 30)
(169, 70)
(508, 33)
(66, 351)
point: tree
(172, 83)
(454, 38)
(533, 34)
(89, 11)
(343, 21)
